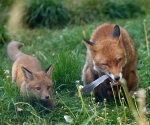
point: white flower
(133, 96)
(105, 100)
(68, 118)
(122, 98)
(6, 72)
(77, 81)
(24, 123)
(80, 87)
(118, 119)
(7, 76)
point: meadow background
(52, 31)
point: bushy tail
(13, 50)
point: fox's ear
(49, 71)
(87, 42)
(116, 32)
(27, 74)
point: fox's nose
(117, 78)
(47, 97)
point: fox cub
(110, 51)
(27, 73)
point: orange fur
(110, 51)
(27, 73)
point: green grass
(64, 48)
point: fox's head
(39, 84)
(108, 55)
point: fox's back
(21, 60)
(28, 62)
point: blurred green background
(62, 13)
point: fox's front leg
(132, 82)
(14, 73)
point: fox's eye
(104, 64)
(48, 87)
(38, 88)
(119, 60)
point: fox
(110, 51)
(29, 76)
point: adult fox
(27, 73)
(110, 51)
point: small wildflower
(105, 100)
(6, 72)
(24, 123)
(77, 81)
(53, 53)
(119, 119)
(112, 110)
(19, 109)
(133, 96)
(68, 118)
(80, 87)
(93, 98)
(122, 98)
(7, 76)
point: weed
(46, 13)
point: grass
(64, 48)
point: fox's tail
(13, 50)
